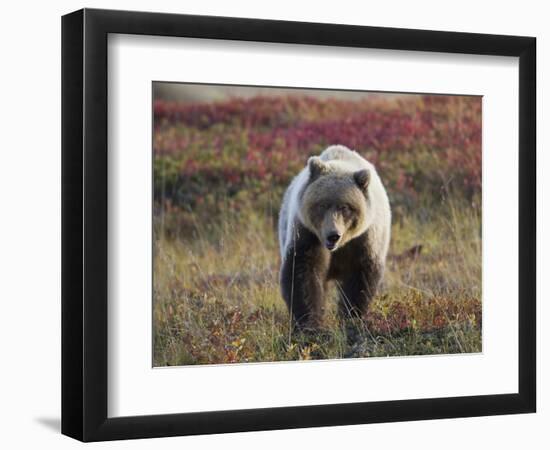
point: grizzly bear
(334, 225)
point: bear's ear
(316, 167)
(362, 178)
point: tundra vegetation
(220, 170)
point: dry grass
(217, 300)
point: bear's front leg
(357, 290)
(303, 278)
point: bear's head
(335, 203)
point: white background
(30, 236)
(136, 389)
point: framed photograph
(273, 224)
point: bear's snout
(332, 239)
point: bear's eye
(319, 207)
(345, 209)
(318, 210)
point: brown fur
(334, 203)
(331, 203)
(309, 267)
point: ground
(220, 171)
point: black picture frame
(84, 224)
